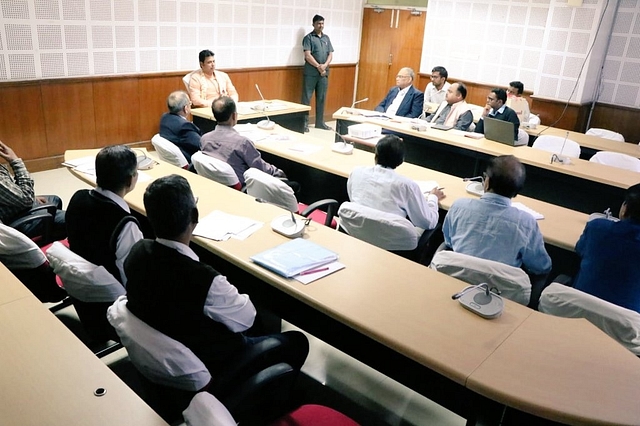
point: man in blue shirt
(490, 228)
(609, 251)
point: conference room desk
(48, 376)
(581, 185)
(589, 144)
(398, 317)
(287, 114)
(561, 227)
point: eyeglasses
(433, 77)
(403, 76)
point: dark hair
(222, 108)
(518, 85)
(317, 18)
(390, 151)
(116, 165)
(205, 54)
(506, 175)
(170, 206)
(501, 94)
(442, 71)
(462, 89)
(632, 201)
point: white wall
(67, 38)
(542, 43)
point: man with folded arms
(497, 109)
(403, 99)
(173, 292)
(454, 110)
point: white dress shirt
(393, 108)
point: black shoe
(306, 129)
(323, 126)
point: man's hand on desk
(438, 193)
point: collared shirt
(16, 193)
(203, 90)
(433, 95)
(489, 228)
(500, 110)
(320, 48)
(608, 268)
(393, 108)
(129, 235)
(224, 304)
(226, 144)
(385, 190)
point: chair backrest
(556, 144)
(262, 185)
(206, 410)
(158, 357)
(607, 134)
(169, 152)
(186, 80)
(82, 279)
(513, 283)
(619, 323)
(616, 159)
(214, 169)
(385, 230)
(523, 137)
(17, 251)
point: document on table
(310, 276)
(295, 257)
(305, 148)
(221, 226)
(520, 206)
(426, 186)
(251, 132)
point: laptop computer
(500, 131)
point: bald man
(403, 99)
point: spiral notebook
(293, 257)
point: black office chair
(45, 214)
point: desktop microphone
(475, 185)
(475, 178)
(357, 102)
(559, 157)
(342, 147)
(264, 124)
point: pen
(313, 271)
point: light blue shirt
(489, 228)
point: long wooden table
(287, 114)
(581, 185)
(49, 377)
(398, 316)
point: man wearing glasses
(403, 100)
(497, 109)
(436, 90)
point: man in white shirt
(381, 188)
(403, 99)
(436, 90)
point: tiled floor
(379, 399)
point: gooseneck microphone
(357, 102)
(264, 124)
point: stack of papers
(221, 226)
(295, 256)
(520, 206)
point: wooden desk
(561, 227)
(589, 144)
(582, 185)
(49, 377)
(292, 116)
(398, 316)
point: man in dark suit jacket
(497, 109)
(403, 100)
(175, 127)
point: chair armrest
(30, 218)
(38, 215)
(332, 209)
(49, 207)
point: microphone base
(342, 148)
(266, 125)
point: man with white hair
(403, 99)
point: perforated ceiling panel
(58, 38)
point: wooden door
(391, 40)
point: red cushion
(44, 249)
(317, 216)
(314, 415)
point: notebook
(500, 131)
(294, 257)
(441, 127)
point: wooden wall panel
(21, 121)
(69, 117)
(152, 95)
(116, 103)
(619, 119)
